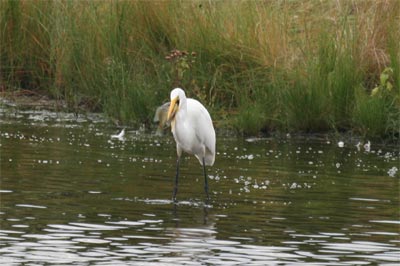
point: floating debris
(358, 146)
(340, 144)
(392, 171)
(254, 139)
(367, 146)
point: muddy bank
(27, 99)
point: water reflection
(72, 195)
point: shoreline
(41, 102)
(27, 99)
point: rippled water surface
(72, 195)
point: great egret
(193, 132)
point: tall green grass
(300, 66)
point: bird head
(176, 94)
(173, 108)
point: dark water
(71, 195)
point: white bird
(341, 144)
(193, 132)
(120, 136)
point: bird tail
(208, 159)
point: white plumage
(120, 136)
(193, 131)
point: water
(72, 195)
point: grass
(291, 66)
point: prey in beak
(173, 108)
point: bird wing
(203, 127)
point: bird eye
(177, 102)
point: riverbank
(31, 100)
(291, 66)
(45, 109)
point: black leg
(176, 179)
(205, 213)
(205, 180)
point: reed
(263, 65)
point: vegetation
(297, 66)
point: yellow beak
(173, 107)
